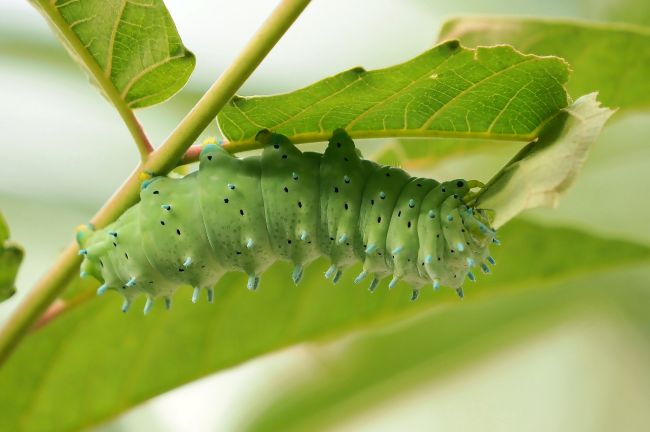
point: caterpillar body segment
(379, 198)
(342, 175)
(402, 241)
(243, 214)
(291, 199)
(231, 206)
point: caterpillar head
(88, 241)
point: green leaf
(544, 169)
(11, 255)
(131, 50)
(612, 59)
(448, 91)
(123, 360)
(378, 370)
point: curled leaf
(541, 171)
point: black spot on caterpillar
(239, 214)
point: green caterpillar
(243, 214)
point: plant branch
(191, 155)
(160, 161)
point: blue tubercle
(360, 277)
(296, 276)
(373, 284)
(210, 295)
(145, 184)
(148, 305)
(195, 294)
(253, 282)
(208, 148)
(330, 271)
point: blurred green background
(581, 364)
